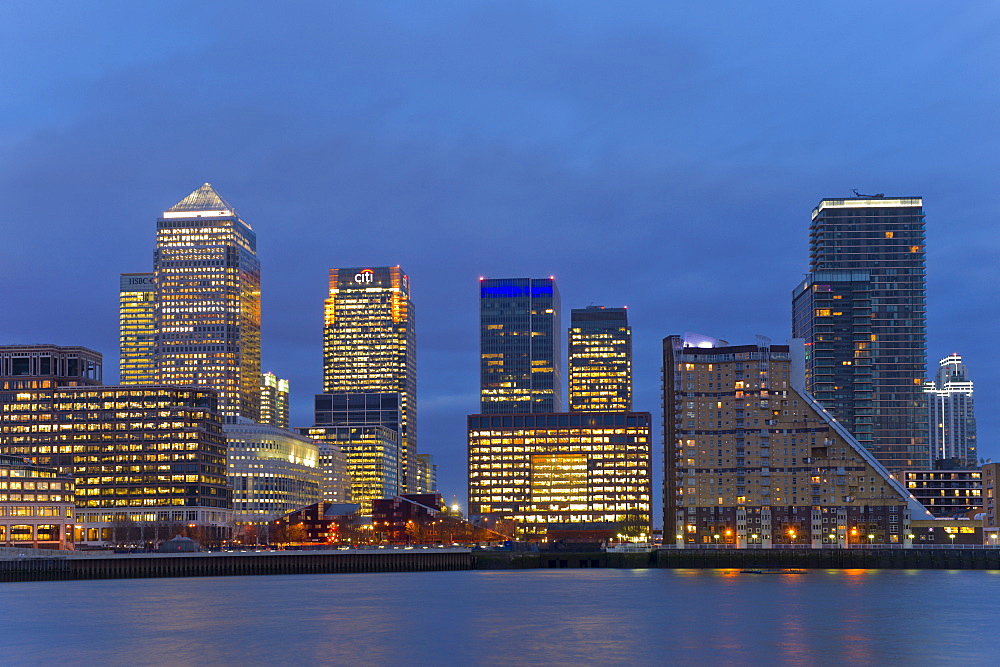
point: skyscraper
(136, 328)
(369, 357)
(861, 311)
(950, 412)
(600, 359)
(273, 400)
(520, 360)
(207, 281)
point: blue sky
(664, 156)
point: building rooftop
(203, 199)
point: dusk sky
(656, 155)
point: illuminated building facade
(950, 411)
(991, 506)
(946, 493)
(373, 455)
(46, 366)
(862, 313)
(577, 467)
(36, 506)
(136, 329)
(207, 281)
(520, 358)
(426, 474)
(600, 360)
(752, 461)
(273, 400)
(369, 358)
(272, 471)
(142, 454)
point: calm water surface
(640, 617)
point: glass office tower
(520, 367)
(136, 328)
(600, 360)
(862, 313)
(208, 301)
(369, 357)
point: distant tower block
(600, 360)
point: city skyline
(636, 156)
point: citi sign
(364, 277)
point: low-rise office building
(946, 493)
(272, 471)
(36, 505)
(147, 459)
(577, 467)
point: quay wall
(825, 559)
(135, 566)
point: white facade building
(950, 411)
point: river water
(564, 617)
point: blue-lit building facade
(519, 342)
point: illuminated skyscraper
(208, 301)
(520, 358)
(862, 313)
(372, 455)
(136, 328)
(600, 360)
(369, 357)
(273, 400)
(950, 412)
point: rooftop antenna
(880, 195)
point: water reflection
(493, 618)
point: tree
(633, 525)
(297, 533)
(124, 532)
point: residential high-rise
(861, 311)
(950, 412)
(752, 461)
(544, 471)
(600, 359)
(136, 328)
(273, 400)
(207, 281)
(369, 357)
(520, 361)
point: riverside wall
(63, 567)
(825, 559)
(66, 567)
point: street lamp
(952, 536)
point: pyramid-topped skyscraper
(207, 305)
